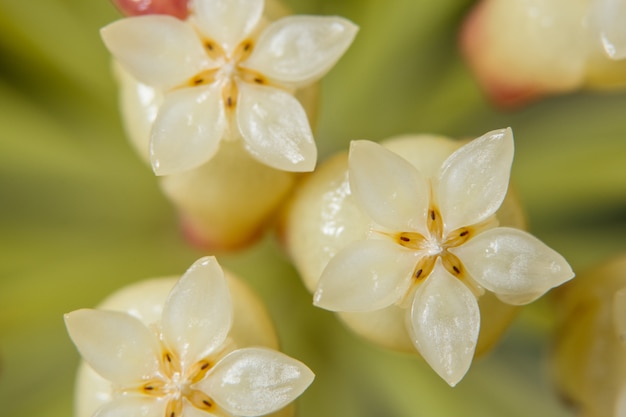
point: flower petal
(445, 321)
(188, 129)
(227, 21)
(297, 50)
(198, 312)
(475, 178)
(512, 263)
(256, 381)
(136, 406)
(275, 128)
(390, 190)
(116, 345)
(608, 18)
(158, 50)
(367, 275)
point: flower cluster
(225, 74)
(185, 361)
(431, 246)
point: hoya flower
(589, 349)
(225, 75)
(184, 363)
(522, 49)
(433, 247)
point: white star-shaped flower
(433, 247)
(225, 75)
(185, 364)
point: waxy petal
(256, 381)
(136, 406)
(445, 321)
(298, 50)
(157, 50)
(198, 312)
(188, 129)
(367, 275)
(227, 21)
(390, 190)
(275, 128)
(512, 263)
(116, 345)
(608, 16)
(474, 179)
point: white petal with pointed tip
(474, 179)
(390, 190)
(227, 21)
(188, 129)
(197, 314)
(367, 275)
(445, 321)
(136, 406)
(298, 50)
(116, 345)
(275, 128)
(514, 263)
(160, 51)
(256, 381)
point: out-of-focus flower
(176, 8)
(184, 361)
(520, 50)
(589, 355)
(225, 75)
(431, 245)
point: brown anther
(229, 101)
(200, 400)
(456, 269)
(174, 408)
(259, 80)
(405, 239)
(198, 371)
(198, 81)
(432, 215)
(247, 45)
(418, 273)
(464, 233)
(209, 45)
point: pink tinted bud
(176, 8)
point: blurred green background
(81, 215)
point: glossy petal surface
(445, 321)
(160, 51)
(610, 16)
(390, 190)
(275, 128)
(135, 406)
(227, 21)
(367, 275)
(188, 129)
(475, 178)
(117, 346)
(512, 262)
(256, 381)
(298, 50)
(198, 312)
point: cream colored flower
(224, 77)
(434, 247)
(184, 364)
(522, 49)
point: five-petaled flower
(226, 74)
(185, 363)
(434, 247)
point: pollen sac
(589, 355)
